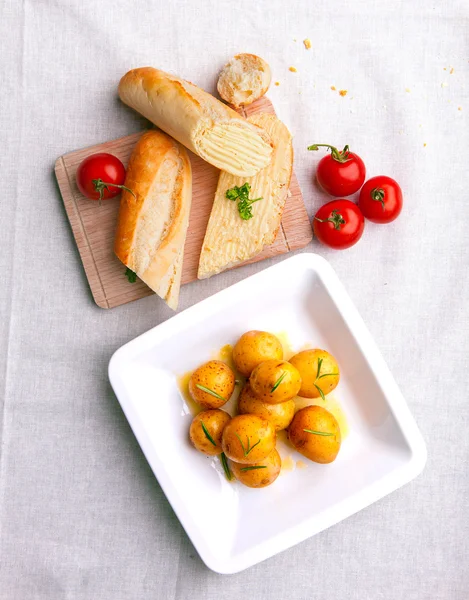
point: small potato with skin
(254, 347)
(280, 415)
(315, 433)
(319, 372)
(206, 431)
(260, 474)
(248, 439)
(275, 381)
(212, 384)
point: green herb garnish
(241, 194)
(278, 382)
(319, 376)
(253, 467)
(326, 433)
(225, 466)
(321, 393)
(131, 276)
(209, 391)
(249, 447)
(207, 435)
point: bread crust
(157, 160)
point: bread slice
(152, 226)
(195, 118)
(229, 240)
(244, 79)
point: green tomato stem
(336, 219)
(378, 195)
(337, 155)
(100, 186)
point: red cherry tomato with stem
(381, 199)
(341, 173)
(101, 176)
(339, 224)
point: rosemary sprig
(321, 393)
(319, 376)
(249, 447)
(279, 381)
(225, 466)
(325, 433)
(319, 367)
(207, 434)
(209, 391)
(252, 467)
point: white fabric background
(81, 514)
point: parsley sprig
(241, 195)
(131, 276)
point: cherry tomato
(381, 199)
(339, 224)
(341, 173)
(101, 176)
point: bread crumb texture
(307, 43)
(333, 88)
(343, 92)
(277, 83)
(293, 69)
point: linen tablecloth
(81, 514)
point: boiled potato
(255, 347)
(319, 372)
(261, 474)
(206, 430)
(275, 381)
(212, 384)
(315, 433)
(280, 415)
(248, 439)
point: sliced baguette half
(152, 226)
(229, 240)
(198, 120)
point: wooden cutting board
(94, 225)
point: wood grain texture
(94, 225)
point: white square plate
(231, 526)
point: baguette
(229, 240)
(152, 226)
(244, 79)
(196, 119)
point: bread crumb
(444, 68)
(407, 90)
(451, 71)
(343, 92)
(277, 83)
(425, 144)
(459, 107)
(444, 84)
(307, 43)
(293, 69)
(333, 88)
